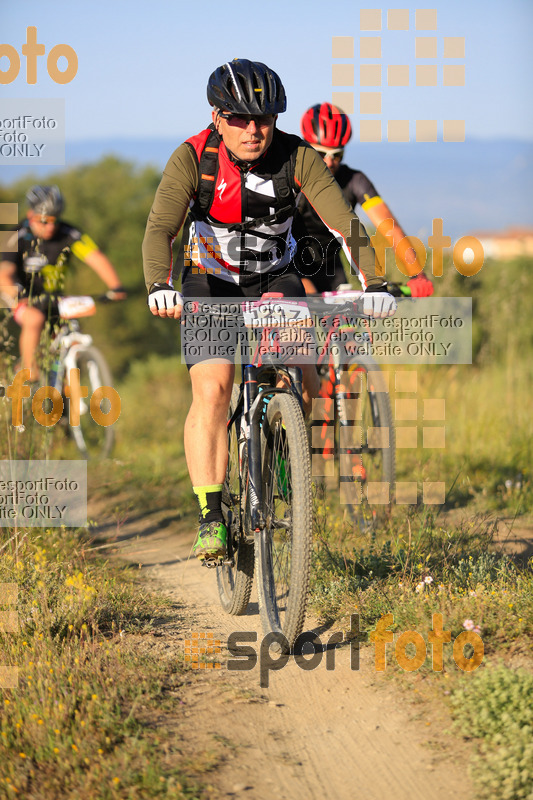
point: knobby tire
(92, 440)
(283, 547)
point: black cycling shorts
(207, 287)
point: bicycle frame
(250, 409)
(65, 345)
(252, 400)
(331, 349)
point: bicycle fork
(252, 423)
(253, 414)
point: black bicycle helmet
(45, 200)
(246, 87)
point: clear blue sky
(143, 66)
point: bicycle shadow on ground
(105, 530)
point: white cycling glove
(379, 304)
(164, 296)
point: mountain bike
(71, 349)
(266, 498)
(356, 427)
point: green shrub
(496, 708)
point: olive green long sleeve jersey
(244, 192)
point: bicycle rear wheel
(91, 439)
(235, 580)
(283, 547)
(365, 439)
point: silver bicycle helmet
(45, 200)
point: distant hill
(473, 185)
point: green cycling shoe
(211, 541)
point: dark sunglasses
(261, 120)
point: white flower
(428, 579)
(420, 587)
(476, 629)
(468, 624)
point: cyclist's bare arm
(105, 270)
(380, 214)
(8, 286)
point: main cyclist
(328, 131)
(34, 271)
(240, 178)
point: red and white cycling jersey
(247, 192)
(240, 195)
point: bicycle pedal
(212, 561)
(229, 562)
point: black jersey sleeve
(356, 186)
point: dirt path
(314, 734)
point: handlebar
(399, 290)
(395, 289)
(75, 306)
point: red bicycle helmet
(326, 126)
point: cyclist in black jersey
(319, 258)
(33, 272)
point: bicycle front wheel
(92, 440)
(365, 437)
(283, 547)
(235, 579)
